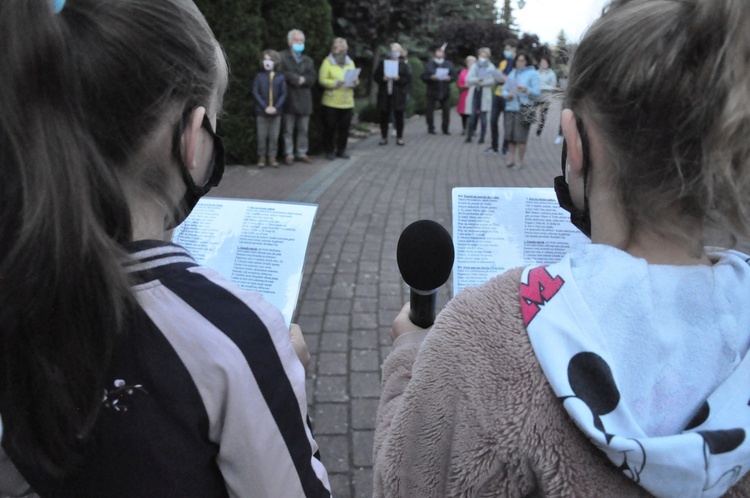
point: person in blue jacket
(269, 92)
(520, 92)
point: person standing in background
(338, 99)
(498, 102)
(464, 110)
(405, 58)
(480, 82)
(392, 93)
(547, 84)
(520, 92)
(300, 75)
(437, 75)
(269, 92)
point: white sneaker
(558, 140)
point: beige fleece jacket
(469, 413)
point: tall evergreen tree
(562, 52)
(238, 26)
(373, 23)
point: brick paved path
(352, 289)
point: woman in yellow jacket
(338, 99)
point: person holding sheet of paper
(480, 80)
(393, 77)
(128, 370)
(338, 76)
(623, 369)
(438, 73)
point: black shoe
(431, 132)
(330, 156)
(481, 141)
(446, 133)
(343, 155)
(468, 140)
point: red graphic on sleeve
(541, 287)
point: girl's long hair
(80, 92)
(667, 83)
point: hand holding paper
(351, 77)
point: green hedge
(244, 30)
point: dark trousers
(398, 119)
(482, 118)
(336, 123)
(498, 106)
(430, 109)
(464, 121)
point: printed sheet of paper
(390, 68)
(258, 245)
(441, 73)
(350, 75)
(496, 229)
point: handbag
(528, 114)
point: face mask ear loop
(586, 165)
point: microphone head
(425, 255)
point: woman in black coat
(392, 91)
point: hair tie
(57, 5)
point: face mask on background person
(340, 57)
(268, 65)
(298, 47)
(395, 55)
(508, 54)
(482, 61)
(438, 60)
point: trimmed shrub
(244, 30)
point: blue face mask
(395, 55)
(298, 47)
(508, 54)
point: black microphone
(425, 259)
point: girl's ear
(574, 144)
(189, 142)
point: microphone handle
(423, 305)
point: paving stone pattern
(351, 288)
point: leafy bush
(369, 113)
(244, 30)
(418, 90)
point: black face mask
(580, 219)
(214, 172)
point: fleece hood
(650, 361)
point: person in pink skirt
(464, 90)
